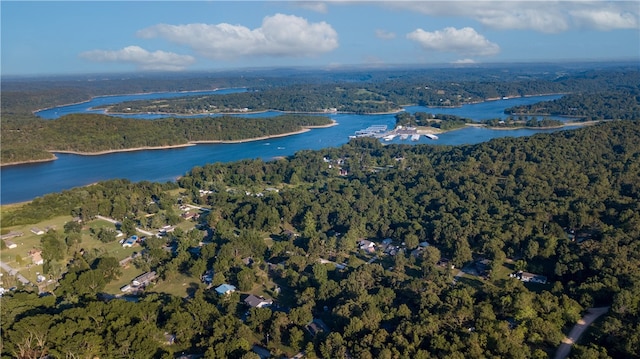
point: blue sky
(72, 37)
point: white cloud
(465, 41)
(465, 61)
(280, 35)
(542, 16)
(145, 60)
(385, 35)
(536, 15)
(316, 6)
(605, 19)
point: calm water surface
(25, 182)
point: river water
(28, 181)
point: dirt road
(578, 329)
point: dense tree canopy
(513, 201)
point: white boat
(415, 137)
(431, 136)
(389, 137)
(404, 137)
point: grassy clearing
(127, 276)
(179, 285)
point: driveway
(578, 329)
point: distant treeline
(383, 96)
(607, 91)
(618, 105)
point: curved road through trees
(578, 330)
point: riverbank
(568, 124)
(126, 94)
(190, 143)
(53, 158)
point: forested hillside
(94, 133)
(565, 206)
(592, 106)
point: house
(130, 242)
(11, 234)
(257, 301)
(207, 277)
(166, 229)
(37, 231)
(289, 234)
(225, 289)
(10, 244)
(36, 256)
(529, 277)
(446, 263)
(367, 246)
(317, 326)
(144, 280)
(190, 215)
(483, 267)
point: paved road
(196, 207)
(578, 329)
(15, 273)
(116, 222)
(107, 219)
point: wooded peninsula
(609, 93)
(362, 251)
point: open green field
(179, 285)
(18, 258)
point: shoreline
(568, 124)
(125, 94)
(167, 147)
(53, 158)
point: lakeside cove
(26, 181)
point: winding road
(578, 330)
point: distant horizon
(346, 67)
(50, 38)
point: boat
(415, 137)
(404, 136)
(389, 137)
(431, 136)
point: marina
(404, 133)
(371, 131)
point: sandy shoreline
(53, 158)
(190, 143)
(568, 124)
